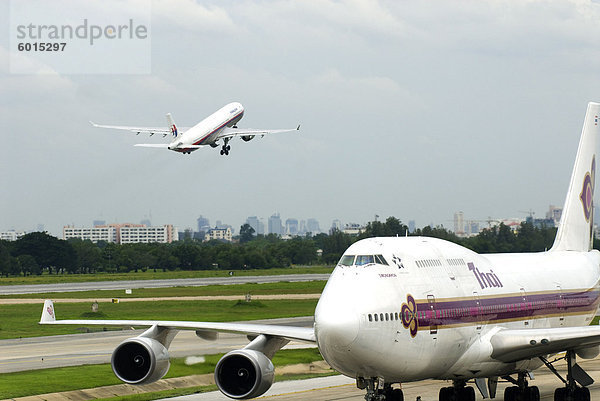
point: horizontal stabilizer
(152, 145)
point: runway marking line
(307, 391)
(54, 359)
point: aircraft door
(560, 305)
(478, 312)
(433, 326)
(527, 308)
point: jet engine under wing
(511, 345)
(231, 132)
(287, 332)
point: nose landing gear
(378, 391)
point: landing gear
(225, 148)
(458, 392)
(377, 391)
(521, 391)
(575, 374)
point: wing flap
(514, 345)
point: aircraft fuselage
(429, 311)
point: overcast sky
(411, 109)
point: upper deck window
(347, 260)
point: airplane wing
(140, 130)
(512, 345)
(287, 332)
(231, 132)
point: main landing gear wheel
(576, 381)
(514, 393)
(457, 394)
(579, 394)
(522, 391)
(225, 149)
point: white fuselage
(207, 131)
(429, 313)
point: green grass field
(21, 384)
(158, 275)
(21, 320)
(309, 287)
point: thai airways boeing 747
(399, 310)
(219, 126)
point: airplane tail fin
(48, 312)
(172, 126)
(575, 231)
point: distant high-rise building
(146, 222)
(291, 226)
(412, 227)
(554, 213)
(203, 224)
(253, 222)
(302, 227)
(459, 223)
(41, 228)
(312, 225)
(275, 226)
(99, 223)
(336, 225)
(472, 228)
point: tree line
(39, 252)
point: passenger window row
(381, 317)
(456, 262)
(428, 263)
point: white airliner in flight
(398, 310)
(219, 126)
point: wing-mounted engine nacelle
(140, 360)
(244, 373)
(247, 138)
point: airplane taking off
(221, 125)
(398, 310)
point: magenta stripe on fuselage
(515, 307)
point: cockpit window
(381, 260)
(347, 260)
(362, 260)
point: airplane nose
(336, 326)
(336, 317)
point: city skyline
(324, 226)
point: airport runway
(132, 284)
(93, 348)
(343, 388)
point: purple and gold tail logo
(409, 315)
(587, 192)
